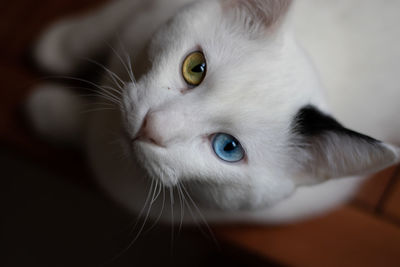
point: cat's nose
(159, 129)
(148, 132)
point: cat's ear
(325, 149)
(258, 14)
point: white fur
(257, 80)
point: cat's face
(219, 105)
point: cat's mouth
(140, 137)
(153, 159)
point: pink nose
(150, 132)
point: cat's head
(231, 105)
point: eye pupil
(199, 68)
(230, 146)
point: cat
(217, 111)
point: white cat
(220, 107)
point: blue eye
(227, 147)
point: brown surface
(361, 235)
(347, 237)
(391, 203)
(371, 193)
(366, 233)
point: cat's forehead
(236, 64)
(203, 23)
(249, 82)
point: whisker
(132, 76)
(97, 103)
(171, 195)
(158, 186)
(109, 94)
(187, 204)
(154, 193)
(101, 87)
(120, 59)
(112, 89)
(162, 187)
(145, 219)
(201, 215)
(181, 206)
(116, 79)
(128, 60)
(136, 224)
(96, 93)
(95, 110)
(102, 96)
(146, 203)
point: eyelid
(197, 48)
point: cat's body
(338, 38)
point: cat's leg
(56, 113)
(65, 45)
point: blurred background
(53, 214)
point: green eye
(194, 68)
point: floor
(54, 215)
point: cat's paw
(53, 52)
(55, 113)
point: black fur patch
(310, 122)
